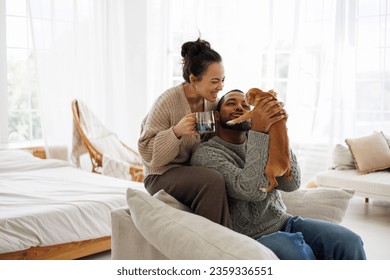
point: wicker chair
(96, 156)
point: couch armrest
(127, 241)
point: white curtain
(321, 82)
(328, 60)
(332, 93)
(87, 50)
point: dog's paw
(266, 189)
(230, 122)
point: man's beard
(243, 126)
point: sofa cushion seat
(373, 185)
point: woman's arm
(158, 144)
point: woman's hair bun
(197, 56)
(192, 48)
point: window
(372, 103)
(328, 61)
(22, 101)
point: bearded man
(240, 154)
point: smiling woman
(168, 135)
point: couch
(362, 164)
(159, 227)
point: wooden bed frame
(65, 251)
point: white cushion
(318, 203)
(342, 158)
(181, 235)
(375, 184)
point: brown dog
(279, 152)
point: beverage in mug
(205, 127)
(205, 122)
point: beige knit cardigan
(158, 145)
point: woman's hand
(186, 126)
(266, 113)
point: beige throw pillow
(371, 152)
(183, 236)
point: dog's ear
(250, 96)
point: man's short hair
(223, 97)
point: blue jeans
(309, 239)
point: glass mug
(205, 122)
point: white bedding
(48, 202)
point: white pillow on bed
(319, 203)
(182, 236)
(24, 160)
(11, 155)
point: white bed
(52, 210)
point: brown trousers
(200, 188)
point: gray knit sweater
(254, 213)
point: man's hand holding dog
(268, 112)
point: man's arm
(292, 184)
(243, 182)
